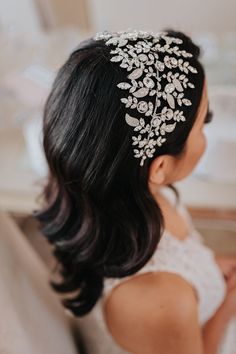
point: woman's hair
(98, 211)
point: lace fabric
(192, 260)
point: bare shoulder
(154, 310)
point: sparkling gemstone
(124, 85)
(122, 42)
(174, 61)
(169, 128)
(193, 70)
(148, 82)
(143, 57)
(177, 85)
(156, 122)
(135, 74)
(117, 58)
(169, 114)
(141, 92)
(186, 102)
(169, 88)
(142, 107)
(132, 121)
(160, 66)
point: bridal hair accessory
(139, 53)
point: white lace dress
(191, 259)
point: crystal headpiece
(139, 53)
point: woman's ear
(158, 170)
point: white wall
(19, 15)
(189, 15)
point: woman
(124, 121)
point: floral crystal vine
(138, 53)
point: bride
(124, 121)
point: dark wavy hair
(98, 212)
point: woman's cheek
(199, 148)
(204, 144)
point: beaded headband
(138, 53)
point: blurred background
(36, 36)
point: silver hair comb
(138, 53)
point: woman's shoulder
(150, 300)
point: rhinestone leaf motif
(138, 53)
